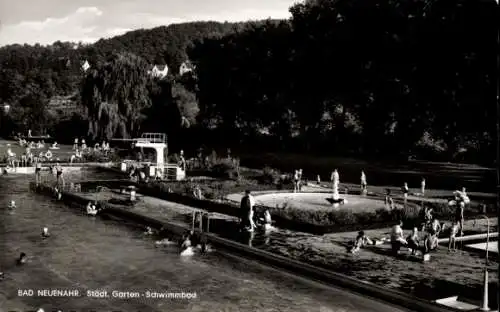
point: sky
(46, 21)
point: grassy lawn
(438, 175)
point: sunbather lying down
(362, 241)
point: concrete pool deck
(492, 247)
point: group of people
(431, 226)
(249, 219)
(297, 181)
(188, 243)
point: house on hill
(186, 67)
(85, 66)
(158, 71)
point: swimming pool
(93, 254)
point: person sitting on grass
(296, 181)
(246, 206)
(361, 241)
(78, 156)
(431, 241)
(413, 241)
(453, 234)
(397, 238)
(427, 217)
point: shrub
(96, 156)
(226, 168)
(346, 217)
(269, 176)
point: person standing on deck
(299, 186)
(59, 175)
(397, 237)
(296, 181)
(422, 187)
(182, 161)
(246, 206)
(38, 172)
(389, 202)
(405, 190)
(335, 178)
(75, 144)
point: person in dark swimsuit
(59, 175)
(23, 258)
(38, 172)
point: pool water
(94, 254)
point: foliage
(226, 168)
(270, 176)
(378, 78)
(115, 95)
(210, 189)
(186, 103)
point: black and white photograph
(249, 156)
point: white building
(85, 66)
(186, 67)
(159, 71)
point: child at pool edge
(413, 241)
(453, 234)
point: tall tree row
(376, 78)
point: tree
(115, 95)
(186, 103)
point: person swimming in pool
(23, 259)
(12, 205)
(265, 221)
(45, 233)
(148, 231)
(91, 209)
(186, 247)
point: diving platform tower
(158, 142)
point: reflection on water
(90, 253)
